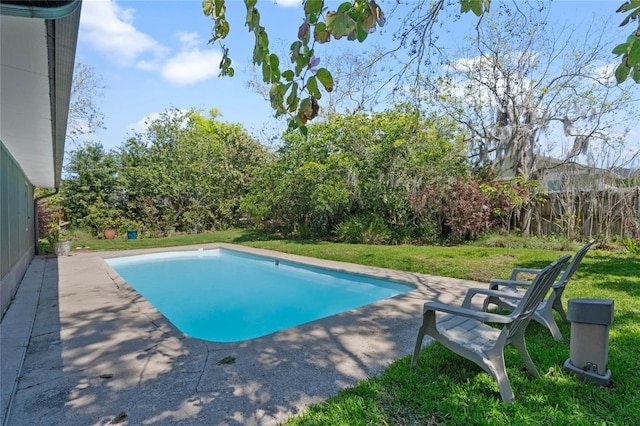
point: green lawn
(447, 389)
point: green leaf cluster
(630, 49)
(295, 91)
(478, 7)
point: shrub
(50, 215)
(303, 231)
(351, 230)
(467, 210)
(376, 232)
(632, 246)
(516, 241)
(44, 246)
(425, 231)
(362, 229)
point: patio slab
(98, 353)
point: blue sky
(153, 55)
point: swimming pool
(227, 296)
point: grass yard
(447, 389)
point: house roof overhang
(38, 47)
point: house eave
(41, 9)
(39, 41)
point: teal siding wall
(17, 233)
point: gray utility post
(590, 321)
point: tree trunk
(525, 219)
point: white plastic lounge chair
(544, 313)
(463, 329)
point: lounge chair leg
(555, 331)
(520, 345)
(416, 350)
(499, 372)
(557, 305)
(506, 392)
(546, 318)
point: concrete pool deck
(81, 347)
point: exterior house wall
(572, 178)
(559, 176)
(39, 41)
(17, 233)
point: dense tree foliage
(194, 173)
(375, 165)
(84, 118)
(90, 189)
(188, 172)
(397, 176)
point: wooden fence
(601, 214)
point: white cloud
(476, 75)
(606, 73)
(191, 65)
(288, 3)
(141, 125)
(188, 40)
(109, 29)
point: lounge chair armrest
(495, 284)
(487, 292)
(465, 312)
(516, 271)
(559, 284)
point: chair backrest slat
(575, 262)
(541, 284)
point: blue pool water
(227, 296)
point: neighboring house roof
(558, 175)
(546, 164)
(562, 176)
(628, 173)
(38, 47)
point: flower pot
(62, 248)
(109, 234)
(132, 235)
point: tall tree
(85, 116)
(521, 82)
(90, 187)
(188, 171)
(295, 91)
